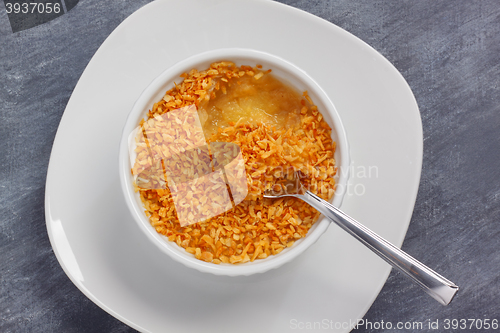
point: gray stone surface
(448, 51)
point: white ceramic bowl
(281, 69)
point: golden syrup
(248, 100)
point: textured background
(448, 51)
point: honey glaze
(260, 99)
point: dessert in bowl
(204, 141)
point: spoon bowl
(431, 282)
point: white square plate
(107, 257)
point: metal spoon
(431, 282)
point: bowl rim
(143, 103)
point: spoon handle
(434, 284)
